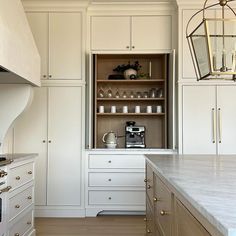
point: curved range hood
(19, 57)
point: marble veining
(208, 182)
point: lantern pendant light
(213, 43)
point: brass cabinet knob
(109, 180)
(109, 198)
(29, 223)
(133, 47)
(29, 197)
(3, 174)
(148, 231)
(127, 47)
(30, 172)
(17, 177)
(50, 76)
(17, 206)
(145, 219)
(145, 180)
(109, 161)
(44, 141)
(50, 141)
(17, 234)
(149, 186)
(44, 76)
(162, 213)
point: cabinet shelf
(131, 81)
(130, 99)
(130, 114)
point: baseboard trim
(44, 212)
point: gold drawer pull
(17, 177)
(28, 223)
(145, 180)
(149, 186)
(155, 199)
(30, 172)
(17, 206)
(29, 197)
(162, 213)
(17, 234)
(149, 231)
(145, 219)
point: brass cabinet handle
(50, 76)
(109, 198)
(29, 197)
(17, 206)
(145, 180)
(149, 231)
(44, 76)
(29, 223)
(109, 161)
(109, 180)
(162, 213)
(5, 189)
(155, 199)
(127, 47)
(30, 172)
(3, 174)
(133, 47)
(213, 125)
(145, 219)
(50, 141)
(17, 177)
(149, 186)
(17, 234)
(219, 125)
(44, 141)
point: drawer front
(163, 206)
(20, 202)
(149, 183)
(116, 161)
(117, 198)
(23, 225)
(116, 179)
(21, 175)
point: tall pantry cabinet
(53, 126)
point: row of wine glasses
(152, 93)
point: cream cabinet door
(151, 33)
(110, 33)
(199, 120)
(65, 46)
(38, 22)
(64, 150)
(30, 136)
(226, 117)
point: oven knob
(3, 174)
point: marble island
(205, 183)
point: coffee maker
(134, 135)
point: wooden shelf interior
(155, 123)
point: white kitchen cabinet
(59, 40)
(125, 33)
(52, 127)
(208, 119)
(114, 182)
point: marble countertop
(207, 182)
(16, 157)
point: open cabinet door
(172, 103)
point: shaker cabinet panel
(226, 116)
(30, 136)
(64, 134)
(39, 26)
(110, 33)
(65, 50)
(151, 32)
(199, 121)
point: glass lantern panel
(224, 50)
(200, 50)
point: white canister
(101, 109)
(113, 109)
(137, 109)
(159, 109)
(149, 109)
(125, 109)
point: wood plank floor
(96, 226)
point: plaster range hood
(19, 64)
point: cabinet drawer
(20, 202)
(116, 161)
(116, 179)
(21, 175)
(149, 183)
(117, 198)
(163, 206)
(149, 219)
(22, 225)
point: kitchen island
(188, 192)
